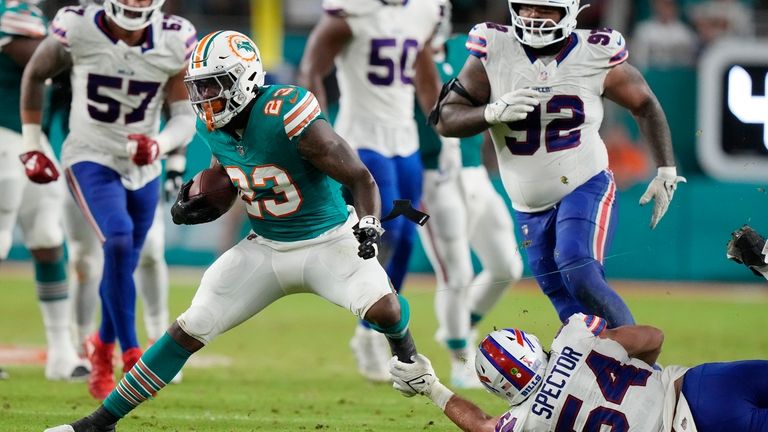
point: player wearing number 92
(595, 379)
(538, 85)
(280, 152)
(126, 60)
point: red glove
(38, 167)
(143, 149)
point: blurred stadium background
(689, 244)
(676, 276)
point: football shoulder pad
(605, 47)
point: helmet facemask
(132, 18)
(217, 97)
(541, 32)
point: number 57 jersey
(590, 384)
(118, 89)
(557, 148)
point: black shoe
(3, 374)
(90, 423)
(746, 247)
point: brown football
(215, 187)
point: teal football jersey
(286, 197)
(17, 19)
(429, 141)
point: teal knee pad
(398, 329)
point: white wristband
(490, 115)
(31, 136)
(176, 162)
(440, 395)
(666, 172)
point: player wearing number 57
(595, 379)
(274, 145)
(127, 59)
(539, 86)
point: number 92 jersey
(375, 71)
(118, 89)
(557, 148)
(591, 383)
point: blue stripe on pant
(398, 178)
(729, 396)
(123, 217)
(565, 246)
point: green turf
(292, 370)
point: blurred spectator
(664, 40)
(715, 19)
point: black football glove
(172, 185)
(186, 211)
(368, 232)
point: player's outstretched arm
(427, 81)
(326, 41)
(329, 153)
(20, 49)
(626, 86)
(419, 377)
(641, 342)
(459, 116)
(49, 59)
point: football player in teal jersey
(467, 215)
(286, 162)
(37, 208)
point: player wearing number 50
(126, 60)
(596, 379)
(277, 149)
(538, 85)
(383, 58)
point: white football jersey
(557, 148)
(590, 384)
(118, 89)
(375, 71)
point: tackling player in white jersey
(596, 379)
(126, 60)
(382, 55)
(539, 85)
(37, 208)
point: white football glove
(661, 190)
(412, 378)
(449, 160)
(512, 106)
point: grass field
(290, 369)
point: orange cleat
(102, 379)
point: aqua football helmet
(223, 76)
(511, 364)
(539, 32)
(132, 18)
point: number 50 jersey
(118, 89)
(375, 71)
(557, 148)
